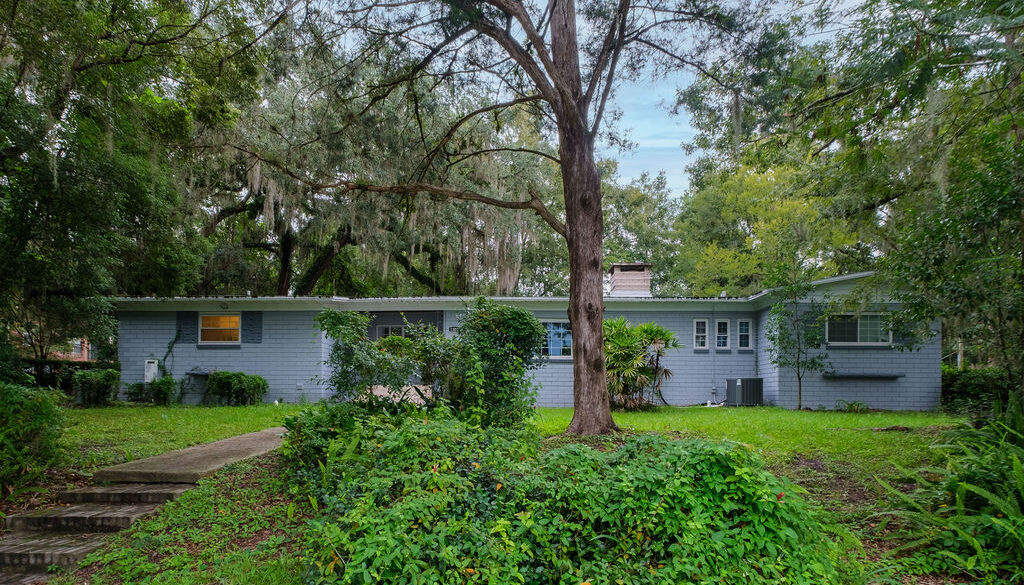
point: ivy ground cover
(485, 482)
(433, 500)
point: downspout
(712, 347)
(757, 344)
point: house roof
(755, 301)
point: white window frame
(200, 325)
(740, 334)
(707, 334)
(389, 330)
(544, 323)
(856, 343)
(728, 340)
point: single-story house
(723, 341)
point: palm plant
(633, 361)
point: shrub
(12, 368)
(449, 503)
(311, 432)
(853, 406)
(449, 366)
(508, 341)
(357, 363)
(160, 392)
(973, 392)
(236, 388)
(971, 512)
(60, 374)
(96, 387)
(482, 374)
(29, 434)
(633, 362)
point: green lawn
(780, 435)
(837, 457)
(245, 521)
(97, 437)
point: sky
(658, 134)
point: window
(743, 330)
(857, 329)
(220, 328)
(700, 334)
(389, 330)
(721, 334)
(559, 343)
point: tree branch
(468, 155)
(348, 186)
(422, 168)
(620, 37)
(516, 51)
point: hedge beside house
(236, 388)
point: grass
(836, 457)
(243, 525)
(780, 436)
(98, 437)
(239, 526)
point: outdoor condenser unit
(744, 392)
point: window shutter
(252, 326)
(188, 326)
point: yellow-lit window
(220, 328)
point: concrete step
(126, 493)
(33, 552)
(21, 578)
(80, 518)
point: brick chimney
(632, 279)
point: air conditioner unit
(744, 392)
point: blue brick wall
(695, 373)
(766, 370)
(290, 355)
(916, 385)
(293, 352)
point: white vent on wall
(149, 373)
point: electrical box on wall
(150, 371)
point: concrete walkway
(65, 534)
(194, 463)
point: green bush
(12, 368)
(449, 366)
(973, 392)
(482, 374)
(971, 512)
(29, 434)
(163, 391)
(96, 387)
(357, 363)
(633, 362)
(60, 374)
(508, 342)
(160, 392)
(311, 432)
(435, 500)
(236, 388)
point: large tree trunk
(581, 185)
(584, 233)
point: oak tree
(561, 61)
